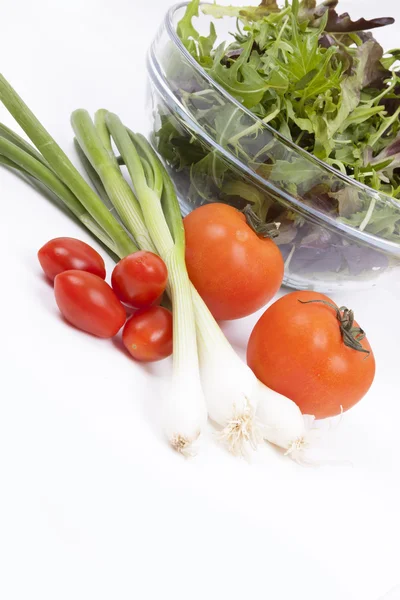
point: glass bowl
(333, 231)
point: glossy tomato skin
(65, 253)
(297, 350)
(148, 334)
(235, 271)
(140, 279)
(89, 303)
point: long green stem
(170, 206)
(205, 322)
(98, 232)
(16, 157)
(144, 150)
(128, 153)
(148, 172)
(42, 173)
(150, 199)
(94, 178)
(206, 326)
(118, 190)
(103, 133)
(169, 200)
(9, 163)
(11, 136)
(60, 163)
(185, 346)
(172, 251)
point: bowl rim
(390, 247)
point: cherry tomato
(89, 303)
(64, 254)
(298, 350)
(235, 271)
(148, 334)
(140, 279)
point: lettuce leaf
(321, 80)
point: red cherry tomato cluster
(90, 304)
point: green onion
(13, 156)
(103, 133)
(185, 411)
(94, 178)
(117, 189)
(9, 135)
(62, 166)
(229, 384)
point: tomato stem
(352, 336)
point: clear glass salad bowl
(333, 231)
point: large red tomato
(235, 271)
(299, 351)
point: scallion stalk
(61, 165)
(94, 178)
(103, 133)
(15, 157)
(39, 171)
(9, 163)
(229, 384)
(117, 189)
(185, 410)
(13, 137)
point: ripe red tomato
(298, 350)
(64, 254)
(140, 279)
(235, 271)
(148, 334)
(89, 303)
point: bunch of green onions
(208, 376)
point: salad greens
(325, 84)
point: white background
(93, 504)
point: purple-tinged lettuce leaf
(287, 231)
(390, 151)
(374, 72)
(363, 258)
(344, 24)
(310, 11)
(313, 260)
(389, 158)
(351, 86)
(318, 238)
(334, 257)
(348, 201)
